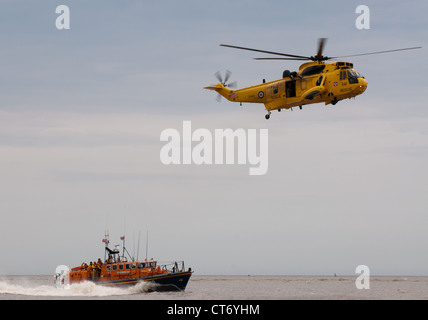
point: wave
(88, 289)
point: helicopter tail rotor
(226, 78)
(227, 75)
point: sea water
(224, 288)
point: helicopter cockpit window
(353, 76)
(319, 81)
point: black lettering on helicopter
(345, 90)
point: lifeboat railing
(173, 267)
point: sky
(82, 111)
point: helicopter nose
(363, 85)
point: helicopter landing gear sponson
(334, 101)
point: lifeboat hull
(162, 282)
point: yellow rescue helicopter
(315, 82)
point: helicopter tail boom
(221, 90)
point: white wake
(88, 289)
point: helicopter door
(290, 89)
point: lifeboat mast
(113, 254)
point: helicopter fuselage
(315, 82)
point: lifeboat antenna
(106, 241)
(138, 247)
(125, 250)
(123, 245)
(147, 243)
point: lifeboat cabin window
(143, 265)
(114, 267)
(120, 266)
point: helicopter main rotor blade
(268, 52)
(321, 43)
(300, 59)
(366, 54)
